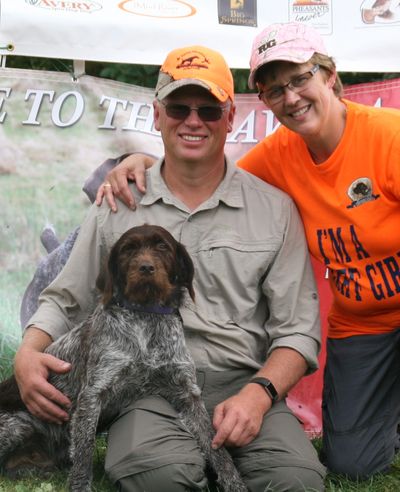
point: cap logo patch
(265, 46)
(192, 61)
(268, 43)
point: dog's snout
(147, 268)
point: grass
(57, 482)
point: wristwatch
(268, 386)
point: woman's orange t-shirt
(350, 206)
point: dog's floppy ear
(186, 269)
(108, 276)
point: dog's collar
(155, 309)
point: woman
(339, 161)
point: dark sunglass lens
(177, 111)
(210, 113)
(181, 112)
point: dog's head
(147, 266)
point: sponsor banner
(362, 35)
(55, 131)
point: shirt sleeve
(292, 295)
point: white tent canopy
(361, 37)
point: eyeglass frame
(297, 90)
(224, 108)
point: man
(256, 310)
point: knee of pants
(167, 478)
(353, 469)
(284, 479)
(349, 456)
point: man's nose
(193, 118)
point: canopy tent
(362, 36)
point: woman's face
(304, 105)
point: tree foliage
(146, 75)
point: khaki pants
(150, 450)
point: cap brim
(216, 91)
(288, 56)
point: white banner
(362, 35)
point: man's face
(303, 110)
(191, 138)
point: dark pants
(149, 449)
(361, 404)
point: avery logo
(158, 8)
(88, 6)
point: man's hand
(115, 184)
(238, 419)
(32, 369)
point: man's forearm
(284, 368)
(35, 339)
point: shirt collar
(229, 190)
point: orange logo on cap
(193, 61)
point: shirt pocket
(229, 275)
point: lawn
(57, 482)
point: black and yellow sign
(238, 12)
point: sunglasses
(205, 113)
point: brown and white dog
(118, 354)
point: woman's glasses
(275, 95)
(182, 111)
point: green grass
(57, 482)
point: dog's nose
(146, 268)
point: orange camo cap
(195, 65)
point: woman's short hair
(326, 63)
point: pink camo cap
(293, 41)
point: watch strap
(268, 387)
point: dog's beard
(147, 293)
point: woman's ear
(331, 79)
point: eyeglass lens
(296, 84)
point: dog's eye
(129, 249)
(162, 246)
